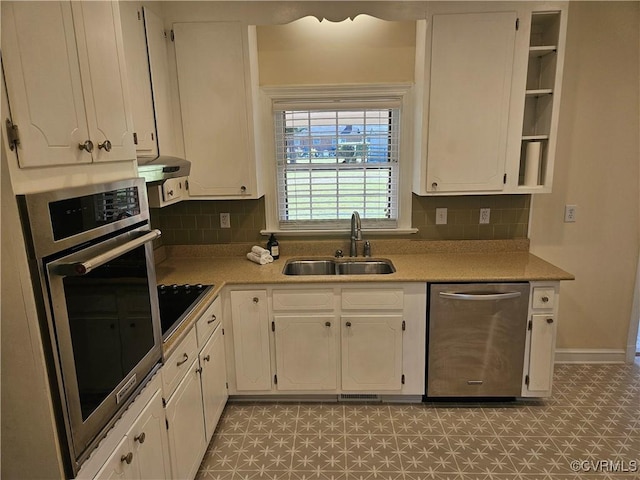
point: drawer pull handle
(544, 299)
(128, 458)
(348, 324)
(140, 438)
(256, 299)
(185, 357)
(549, 321)
(207, 358)
(327, 324)
(212, 319)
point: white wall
(597, 169)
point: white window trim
(267, 95)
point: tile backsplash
(197, 222)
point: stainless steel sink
(310, 267)
(365, 267)
(349, 266)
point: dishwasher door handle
(480, 296)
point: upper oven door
(105, 312)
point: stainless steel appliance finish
(476, 339)
(91, 254)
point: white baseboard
(590, 355)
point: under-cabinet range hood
(162, 168)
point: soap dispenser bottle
(273, 247)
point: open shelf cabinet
(540, 106)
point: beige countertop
(477, 261)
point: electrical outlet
(485, 215)
(225, 220)
(570, 213)
(441, 216)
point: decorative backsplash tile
(197, 222)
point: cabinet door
(371, 352)
(306, 356)
(250, 322)
(104, 79)
(150, 441)
(214, 103)
(133, 36)
(541, 353)
(469, 96)
(214, 381)
(186, 425)
(116, 466)
(159, 68)
(49, 108)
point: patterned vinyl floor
(589, 429)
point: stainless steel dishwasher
(476, 339)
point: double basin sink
(347, 266)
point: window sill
(371, 231)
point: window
(331, 161)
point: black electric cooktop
(176, 302)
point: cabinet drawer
(376, 299)
(543, 297)
(176, 366)
(321, 299)
(208, 322)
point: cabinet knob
(128, 458)
(106, 145)
(185, 357)
(348, 324)
(170, 193)
(86, 146)
(199, 370)
(327, 324)
(207, 358)
(212, 319)
(256, 299)
(544, 299)
(139, 438)
(243, 189)
(549, 321)
(434, 185)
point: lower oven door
(104, 306)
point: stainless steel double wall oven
(91, 255)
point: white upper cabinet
(475, 67)
(471, 64)
(65, 71)
(214, 82)
(133, 34)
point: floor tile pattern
(593, 418)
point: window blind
(332, 161)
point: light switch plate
(225, 220)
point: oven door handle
(480, 296)
(82, 268)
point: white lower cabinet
(194, 407)
(143, 452)
(252, 358)
(214, 381)
(328, 339)
(541, 339)
(371, 352)
(306, 352)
